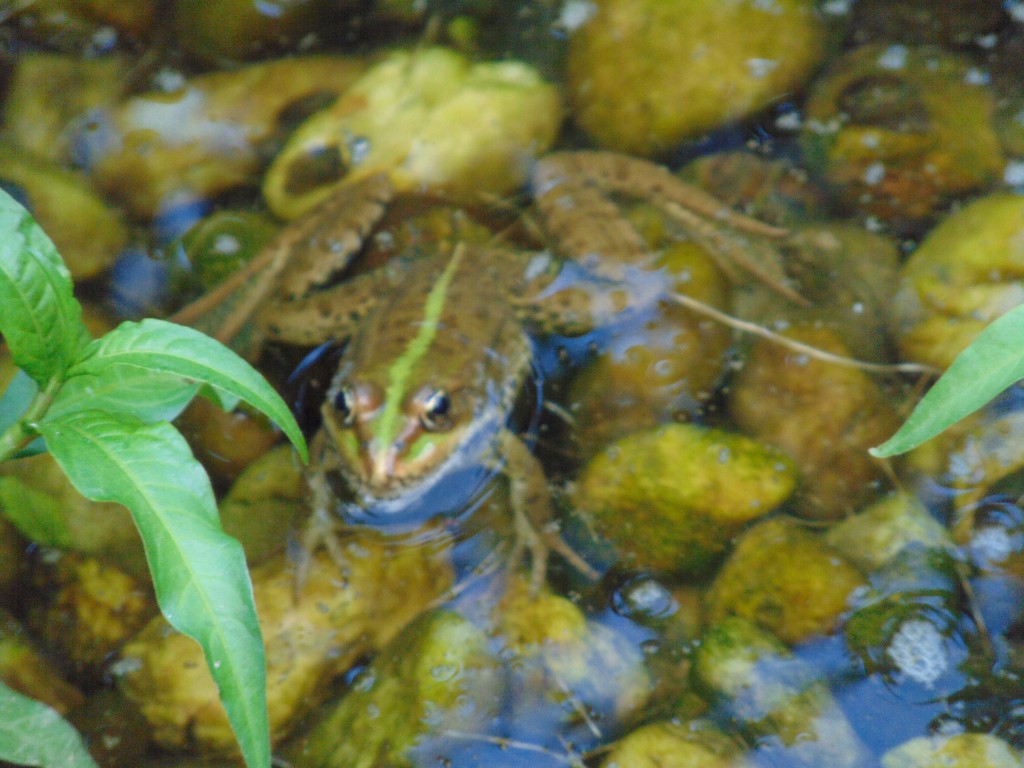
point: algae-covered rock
(88, 233)
(453, 686)
(644, 74)
(439, 675)
(560, 660)
(49, 93)
(432, 120)
(675, 745)
(671, 498)
(905, 624)
(219, 244)
(785, 580)
(216, 31)
(161, 149)
(960, 750)
(899, 130)
(87, 610)
(876, 534)
(225, 442)
(311, 637)
(966, 273)
(777, 700)
(26, 669)
(824, 416)
(662, 365)
(265, 503)
(75, 24)
(37, 497)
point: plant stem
(24, 431)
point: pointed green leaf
(148, 396)
(41, 320)
(32, 733)
(157, 345)
(993, 362)
(199, 573)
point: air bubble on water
(874, 174)
(893, 57)
(358, 149)
(977, 76)
(858, 308)
(836, 7)
(574, 14)
(759, 68)
(918, 651)
(227, 244)
(1013, 173)
(991, 544)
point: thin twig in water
(504, 743)
(818, 354)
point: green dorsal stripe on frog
(401, 369)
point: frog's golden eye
(344, 405)
(436, 411)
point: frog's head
(388, 442)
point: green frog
(438, 349)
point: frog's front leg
(535, 527)
(323, 526)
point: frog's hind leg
(535, 527)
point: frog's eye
(436, 413)
(344, 405)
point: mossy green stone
(671, 498)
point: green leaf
(199, 573)
(32, 733)
(157, 345)
(147, 395)
(990, 364)
(41, 320)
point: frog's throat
(387, 427)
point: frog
(439, 347)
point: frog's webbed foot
(322, 529)
(536, 530)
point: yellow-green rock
(961, 750)
(27, 670)
(645, 75)
(265, 503)
(88, 233)
(218, 31)
(311, 637)
(785, 580)
(899, 130)
(662, 365)
(37, 497)
(671, 498)
(74, 24)
(432, 120)
(968, 271)
(208, 136)
(779, 702)
(48, 92)
(824, 416)
(439, 675)
(559, 660)
(87, 609)
(675, 745)
(876, 534)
